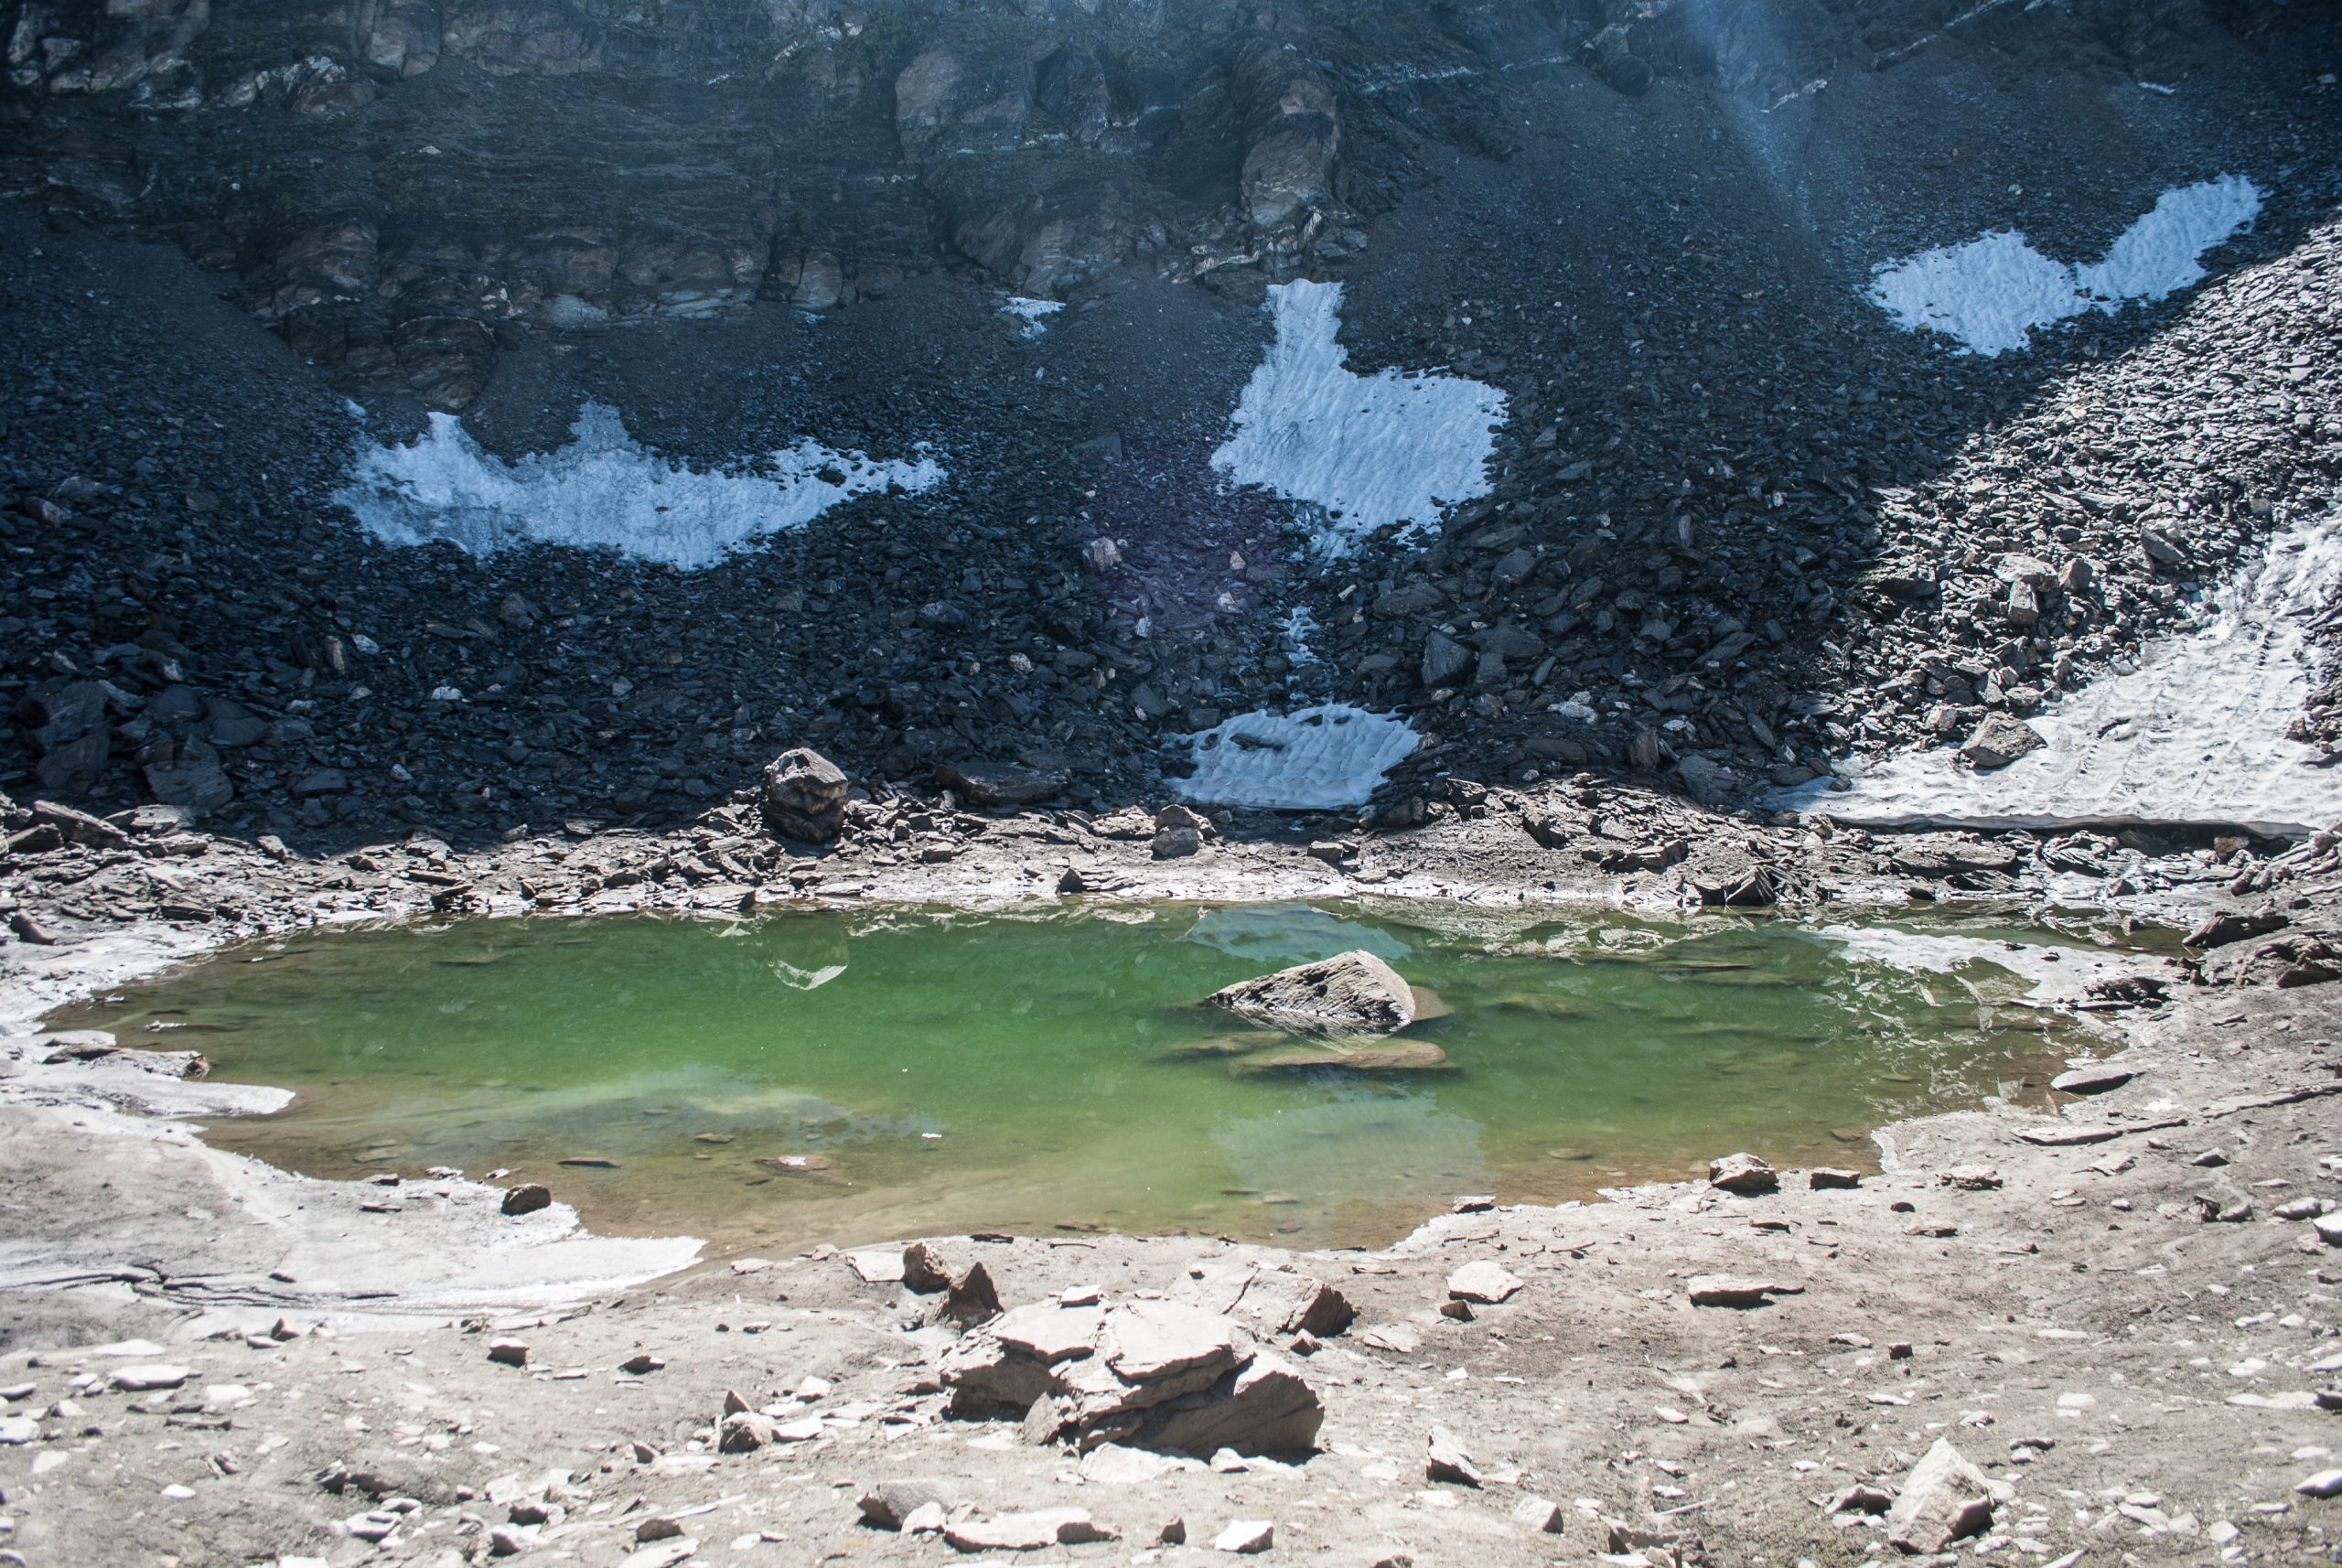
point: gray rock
(1351, 992)
(1999, 741)
(1446, 1459)
(1731, 1290)
(2095, 1078)
(1445, 660)
(1482, 1281)
(890, 1504)
(1175, 843)
(1146, 1374)
(525, 1199)
(1744, 1174)
(804, 796)
(192, 780)
(1033, 1532)
(1000, 784)
(1944, 1499)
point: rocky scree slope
(1732, 504)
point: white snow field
(604, 491)
(1992, 293)
(1312, 759)
(1393, 447)
(2195, 736)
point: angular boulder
(1944, 1499)
(1351, 992)
(1144, 1374)
(1999, 741)
(1744, 1174)
(804, 796)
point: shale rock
(1999, 741)
(1144, 1374)
(1352, 992)
(1944, 1499)
(804, 796)
(1744, 1174)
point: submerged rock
(1351, 992)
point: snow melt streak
(604, 491)
(1392, 447)
(2197, 734)
(1993, 291)
(1312, 759)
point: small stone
(1731, 1290)
(1482, 1282)
(1245, 1537)
(1744, 1174)
(1446, 1459)
(1026, 1531)
(1542, 1514)
(2092, 1080)
(1825, 1178)
(1971, 1178)
(508, 1352)
(149, 1377)
(526, 1198)
(2325, 1484)
(889, 1505)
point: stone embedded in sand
(1245, 1537)
(1482, 1281)
(1147, 1374)
(1826, 1178)
(1026, 1531)
(890, 1504)
(1999, 741)
(1351, 992)
(149, 1377)
(1731, 1290)
(743, 1432)
(1540, 1514)
(508, 1352)
(1446, 1459)
(1944, 1499)
(1744, 1174)
(2095, 1078)
(804, 796)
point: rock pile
(1145, 1374)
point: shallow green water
(950, 1072)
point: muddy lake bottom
(871, 1075)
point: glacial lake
(864, 1074)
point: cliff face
(401, 188)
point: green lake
(873, 1074)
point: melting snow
(2195, 736)
(1392, 447)
(1311, 759)
(604, 491)
(1993, 291)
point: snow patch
(2195, 736)
(1392, 448)
(1030, 311)
(604, 491)
(1312, 759)
(1993, 291)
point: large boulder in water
(1351, 992)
